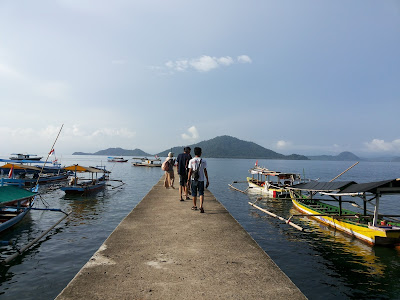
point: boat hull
(83, 189)
(382, 235)
(266, 190)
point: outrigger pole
(287, 221)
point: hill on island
(344, 156)
(116, 152)
(230, 147)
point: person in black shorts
(182, 166)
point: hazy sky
(306, 77)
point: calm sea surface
(323, 264)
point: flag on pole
(10, 174)
(51, 152)
(256, 163)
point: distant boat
(84, 186)
(116, 159)
(147, 162)
(20, 156)
(271, 183)
(15, 203)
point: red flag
(256, 163)
(51, 152)
(11, 171)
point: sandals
(201, 210)
(194, 207)
(181, 199)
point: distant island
(344, 156)
(116, 152)
(219, 147)
(230, 147)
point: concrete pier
(165, 250)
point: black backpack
(196, 173)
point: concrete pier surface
(165, 250)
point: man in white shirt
(198, 172)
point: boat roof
(145, 158)
(10, 193)
(318, 186)
(20, 166)
(391, 186)
(266, 172)
(29, 161)
(78, 168)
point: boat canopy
(20, 167)
(78, 168)
(317, 186)
(10, 193)
(391, 186)
(26, 161)
(266, 172)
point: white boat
(147, 162)
(271, 183)
(20, 156)
(116, 159)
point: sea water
(323, 263)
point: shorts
(183, 179)
(197, 186)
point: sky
(308, 77)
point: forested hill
(230, 147)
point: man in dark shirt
(183, 160)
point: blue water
(323, 263)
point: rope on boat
(289, 222)
(236, 189)
(25, 248)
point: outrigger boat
(15, 203)
(373, 228)
(147, 162)
(271, 183)
(116, 159)
(85, 186)
(25, 175)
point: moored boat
(147, 162)
(20, 156)
(271, 183)
(116, 159)
(90, 184)
(367, 225)
(15, 203)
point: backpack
(165, 165)
(196, 173)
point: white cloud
(112, 132)
(203, 63)
(9, 72)
(377, 145)
(193, 134)
(283, 144)
(244, 59)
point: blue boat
(84, 186)
(15, 203)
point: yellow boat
(375, 228)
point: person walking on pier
(182, 166)
(197, 173)
(169, 171)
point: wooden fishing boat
(367, 225)
(116, 159)
(271, 183)
(26, 175)
(147, 162)
(15, 203)
(87, 185)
